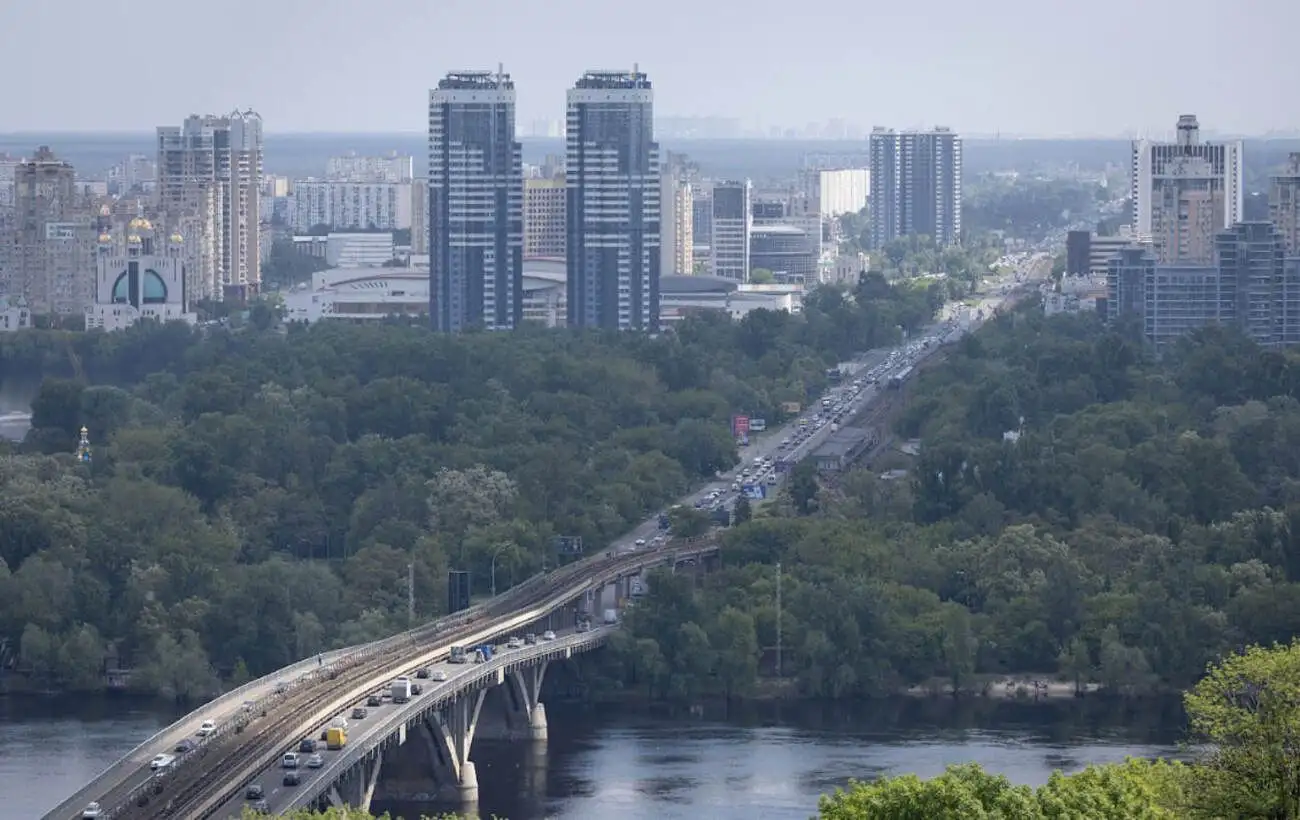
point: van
(289, 761)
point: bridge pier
(525, 693)
(357, 788)
(452, 735)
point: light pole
(500, 549)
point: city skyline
(986, 71)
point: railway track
(207, 773)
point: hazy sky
(1044, 67)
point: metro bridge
(256, 724)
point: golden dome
(140, 224)
(104, 239)
(133, 239)
(177, 238)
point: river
(761, 762)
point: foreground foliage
(1078, 512)
(260, 495)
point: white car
(208, 727)
(91, 811)
(438, 675)
(548, 635)
(161, 762)
(640, 542)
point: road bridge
(254, 735)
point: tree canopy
(258, 494)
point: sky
(1016, 67)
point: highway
(380, 721)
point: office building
(915, 181)
(393, 169)
(784, 250)
(139, 274)
(677, 224)
(732, 222)
(701, 225)
(1284, 205)
(612, 216)
(544, 203)
(50, 246)
(1250, 261)
(1088, 254)
(350, 206)
(476, 203)
(1185, 192)
(211, 168)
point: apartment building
(393, 169)
(1284, 204)
(613, 208)
(676, 224)
(544, 203)
(211, 167)
(49, 251)
(915, 183)
(476, 203)
(732, 222)
(1185, 192)
(350, 206)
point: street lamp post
(493, 579)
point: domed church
(139, 275)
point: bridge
(257, 723)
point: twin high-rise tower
(476, 186)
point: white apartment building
(1185, 192)
(352, 168)
(215, 163)
(837, 192)
(350, 206)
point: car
(422, 673)
(640, 542)
(307, 745)
(254, 792)
(439, 675)
(548, 635)
(262, 806)
(91, 810)
(417, 689)
(514, 643)
(184, 746)
(315, 762)
(374, 700)
(160, 762)
(530, 639)
(291, 779)
(359, 713)
(289, 761)
(208, 727)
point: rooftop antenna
(636, 74)
(501, 72)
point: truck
(458, 655)
(401, 690)
(611, 616)
(336, 737)
(483, 654)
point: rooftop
(476, 80)
(597, 79)
(695, 284)
(841, 443)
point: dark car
(184, 746)
(253, 792)
(359, 713)
(307, 745)
(292, 778)
(262, 806)
(417, 689)
(422, 673)
(374, 700)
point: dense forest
(1079, 511)
(256, 495)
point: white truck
(401, 690)
(611, 616)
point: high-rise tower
(476, 203)
(210, 172)
(1185, 192)
(1284, 205)
(612, 216)
(915, 183)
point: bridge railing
(441, 695)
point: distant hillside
(304, 154)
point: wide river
(760, 762)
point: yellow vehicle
(336, 737)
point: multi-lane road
(365, 732)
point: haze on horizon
(1016, 67)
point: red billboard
(740, 426)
